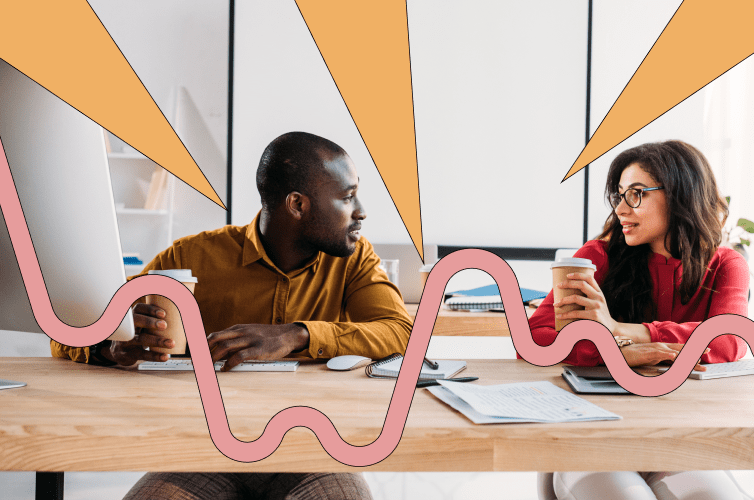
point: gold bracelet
(623, 341)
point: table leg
(49, 486)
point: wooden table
(74, 417)
(478, 324)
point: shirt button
(278, 320)
(320, 352)
(284, 280)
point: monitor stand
(10, 384)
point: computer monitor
(59, 165)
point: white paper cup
(424, 273)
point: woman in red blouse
(660, 272)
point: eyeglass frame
(622, 197)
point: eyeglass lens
(632, 195)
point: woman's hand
(594, 302)
(596, 308)
(653, 353)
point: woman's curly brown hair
(696, 215)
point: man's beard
(326, 240)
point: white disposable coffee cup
(561, 268)
(424, 273)
(175, 329)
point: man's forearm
(300, 334)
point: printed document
(518, 402)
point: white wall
(623, 34)
(174, 45)
(499, 93)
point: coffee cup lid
(427, 267)
(182, 275)
(573, 262)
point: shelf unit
(185, 211)
(143, 231)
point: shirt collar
(253, 250)
(656, 258)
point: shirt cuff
(322, 341)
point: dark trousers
(247, 486)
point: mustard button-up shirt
(347, 303)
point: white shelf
(140, 211)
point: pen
(429, 383)
(432, 364)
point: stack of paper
(519, 402)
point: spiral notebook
(390, 367)
(482, 303)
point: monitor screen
(59, 166)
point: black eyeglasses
(632, 196)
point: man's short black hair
(292, 162)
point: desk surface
(477, 324)
(74, 417)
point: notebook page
(447, 369)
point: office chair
(545, 490)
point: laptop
(722, 370)
(591, 380)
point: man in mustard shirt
(298, 281)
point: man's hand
(243, 342)
(149, 321)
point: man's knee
(340, 486)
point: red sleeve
(542, 322)
(729, 295)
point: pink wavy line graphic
(400, 403)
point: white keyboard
(721, 370)
(186, 365)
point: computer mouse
(348, 362)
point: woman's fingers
(574, 299)
(588, 278)
(648, 354)
(653, 353)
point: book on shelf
(132, 259)
(158, 187)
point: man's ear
(297, 204)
